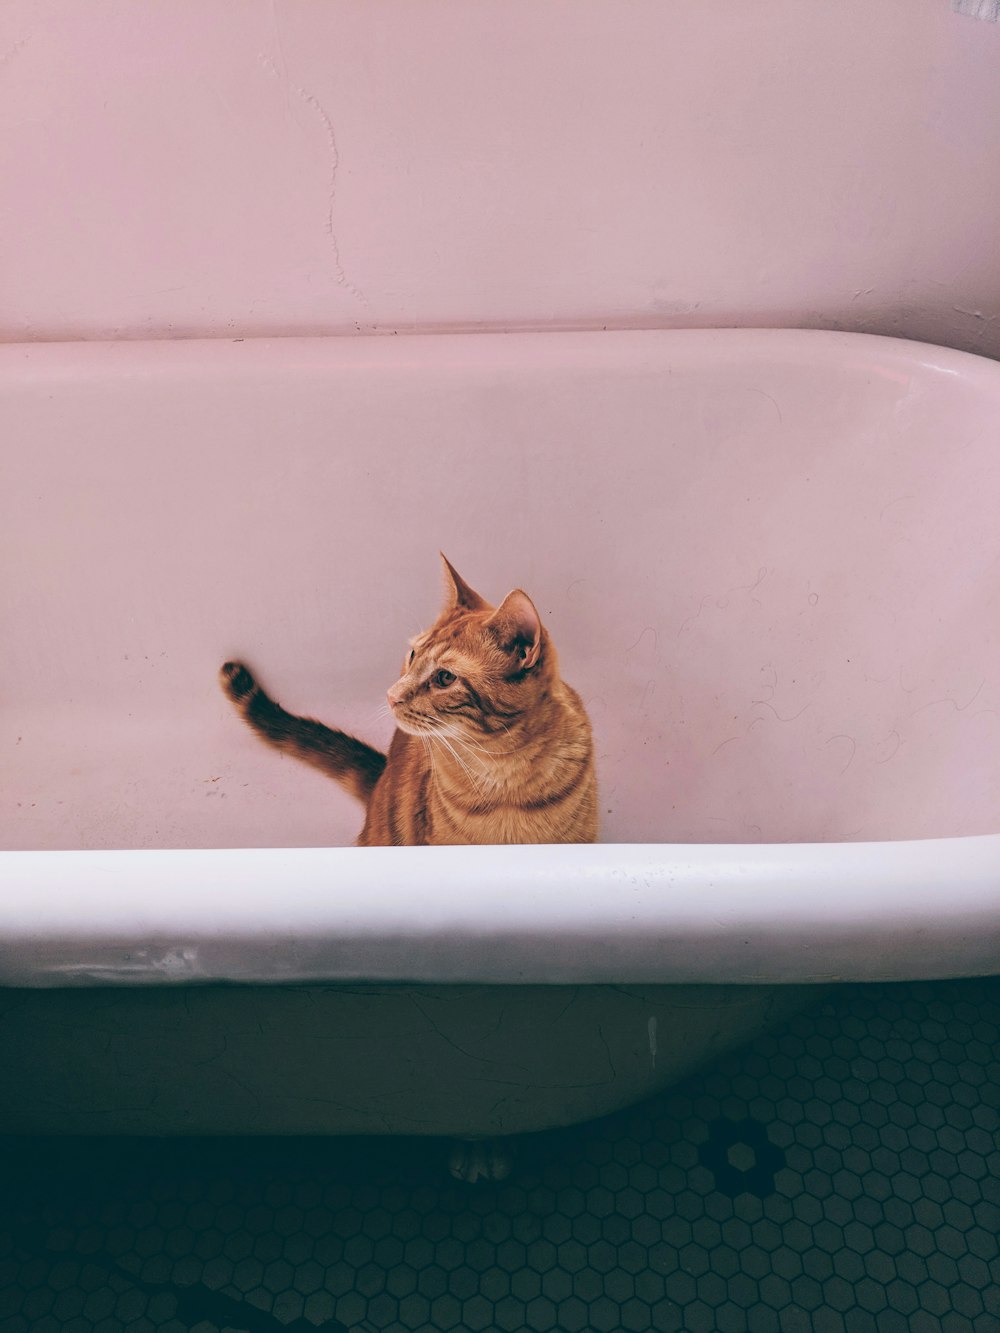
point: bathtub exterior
(358, 1059)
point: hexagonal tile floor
(841, 1174)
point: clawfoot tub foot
(481, 1159)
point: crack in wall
(314, 104)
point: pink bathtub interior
(770, 562)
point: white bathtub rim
(622, 913)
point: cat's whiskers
(494, 755)
(484, 760)
(490, 781)
(470, 776)
(440, 733)
(470, 745)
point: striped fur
(491, 745)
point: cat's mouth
(413, 724)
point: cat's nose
(392, 697)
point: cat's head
(478, 671)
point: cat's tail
(355, 765)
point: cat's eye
(442, 679)
(413, 653)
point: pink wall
(211, 167)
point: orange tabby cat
(492, 746)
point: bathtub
(770, 562)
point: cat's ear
(518, 627)
(458, 592)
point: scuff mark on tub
(959, 708)
(978, 9)
(686, 624)
(12, 51)
(892, 753)
(842, 736)
(651, 1032)
(907, 689)
(763, 703)
(898, 500)
(728, 741)
(771, 685)
(723, 601)
(649, 629)
(764, 394)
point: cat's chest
(497, 826)
(458, 821)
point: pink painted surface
(173, 168)
(770, 562)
